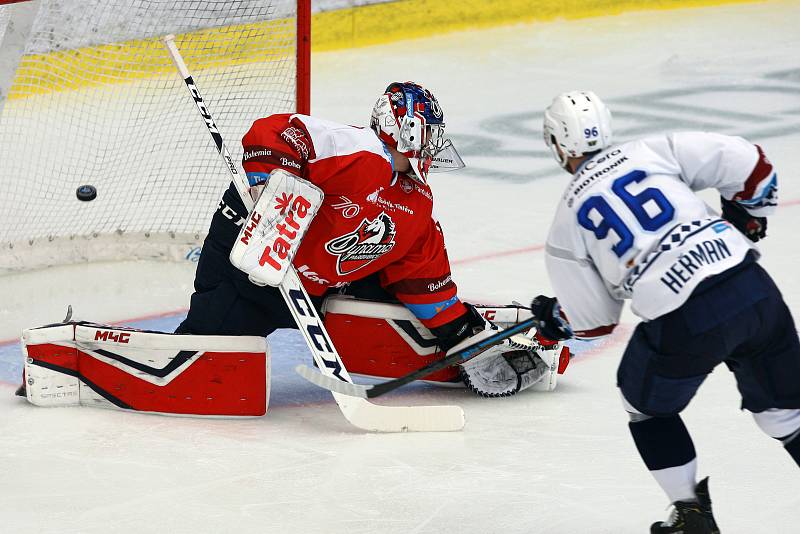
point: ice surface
(559, 462)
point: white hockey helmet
(577, 123)
(408, 117)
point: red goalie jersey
(372, 219)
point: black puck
(86, 193)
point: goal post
(94, 100)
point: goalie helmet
(408, 117)
(577, 123)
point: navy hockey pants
(737, 317)
(225, 302)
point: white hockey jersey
(629, 225)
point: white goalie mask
(408, 117)
(576, 123)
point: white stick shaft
(239, 179)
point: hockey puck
(86, 193)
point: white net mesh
(3, 21)
(96, 100)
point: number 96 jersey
(630, 225)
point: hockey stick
(376, 390)
(358, 412)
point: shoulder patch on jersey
(297, 139)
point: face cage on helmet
(434, 140)
(420, 142)
(418, 138)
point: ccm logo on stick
(108, 335)
(293, 210)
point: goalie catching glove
(509, 367)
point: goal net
(94, 99)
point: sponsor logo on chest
(378, 200)
(368, 242)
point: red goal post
(89, 96)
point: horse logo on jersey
(371, 240)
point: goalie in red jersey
(373, 242)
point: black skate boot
(689, 517)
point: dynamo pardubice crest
(369, 241)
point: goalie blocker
(88, 364)
(392, 342)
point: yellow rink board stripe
(331, 30)
(410, 19)
(145, 58)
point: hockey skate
(689, 517)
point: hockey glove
(550, 322)
(754, 228)
(459, 329)
(505, 370)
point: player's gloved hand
(469, 324)
(550, 323)
(504, 370)
(754, 228)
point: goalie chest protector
(382, 339)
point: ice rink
(545, 463)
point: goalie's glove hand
(754, 228)
(549, 321)
(452, 333)
(503, 370)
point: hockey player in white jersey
(630, 226)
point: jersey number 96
(635, 203)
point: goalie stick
(357, 411)
(376, 390)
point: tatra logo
(287, 230)
(298, 140)
(371, 240)
(110, 335)
(283, 202)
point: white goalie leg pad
(271, 235)
(52, 383)
(111, 367)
